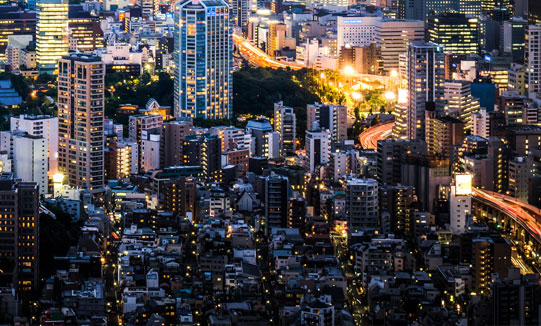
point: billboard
(463, 184)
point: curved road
(525, 214)
(369, 138)
(259, 57)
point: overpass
(519, 221)
(369, 138)
(258, 57)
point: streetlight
(390, 96)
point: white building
(460, 203)
(150, 150)
(318, 147)
(45, 126)
(30, 161)
(339, 165)
(481, 123)
(356, 31)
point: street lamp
(349, 71)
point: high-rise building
(362, 206)
(240, 10)
(456, 33)
(328, 116)
(45, 126)
(459, 101)
(318, 147)
(442, 134)
(203, 59)
(179, 196)
(460, 202)
(489, 5)
(264, 141)
(513, 105)
(520, 170)
(19, 248)
(512, 38)
(140, 123)
(15, 22)
(393, 37)
(516, 300)
(356, 31)
(85, 30)
(172, 140)
(205, 151)
(391, 153)
(420, 9)
(425, 74)
(533, 61)
(534, 12)
(30, 162)
(80, 120)
(480, 124)
(285, 124)
(121, 158)
(52, 37)
(277, 191)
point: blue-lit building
(203, 59)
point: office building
(512, 39)
(393, 37)
(84, 30)
(203, 69)
(533, 61)
(285, 124)
(240, 11)
(277, 192)
(362, 209)
(45, 126)
(513, 105)
(20, 233)
(534, 12)
(318, 148)
(52, 36)
(356, 31)
(425, 73)
(456, 33)
(80, 123)
(15, 22)
(330, 117)
(399, 202)
(420, 9)
(490, 5)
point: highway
(526, 215)
(258, 57)
(369, 138)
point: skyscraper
(533, 60)
(425, 72)
(80, 120)
(239, 14)
(277, 190)
(456, 33)
(19, 248)
(52, 40)
(203, 59)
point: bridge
(519, 221)
(258, 57)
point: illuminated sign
(463, 184)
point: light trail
(369, 138)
